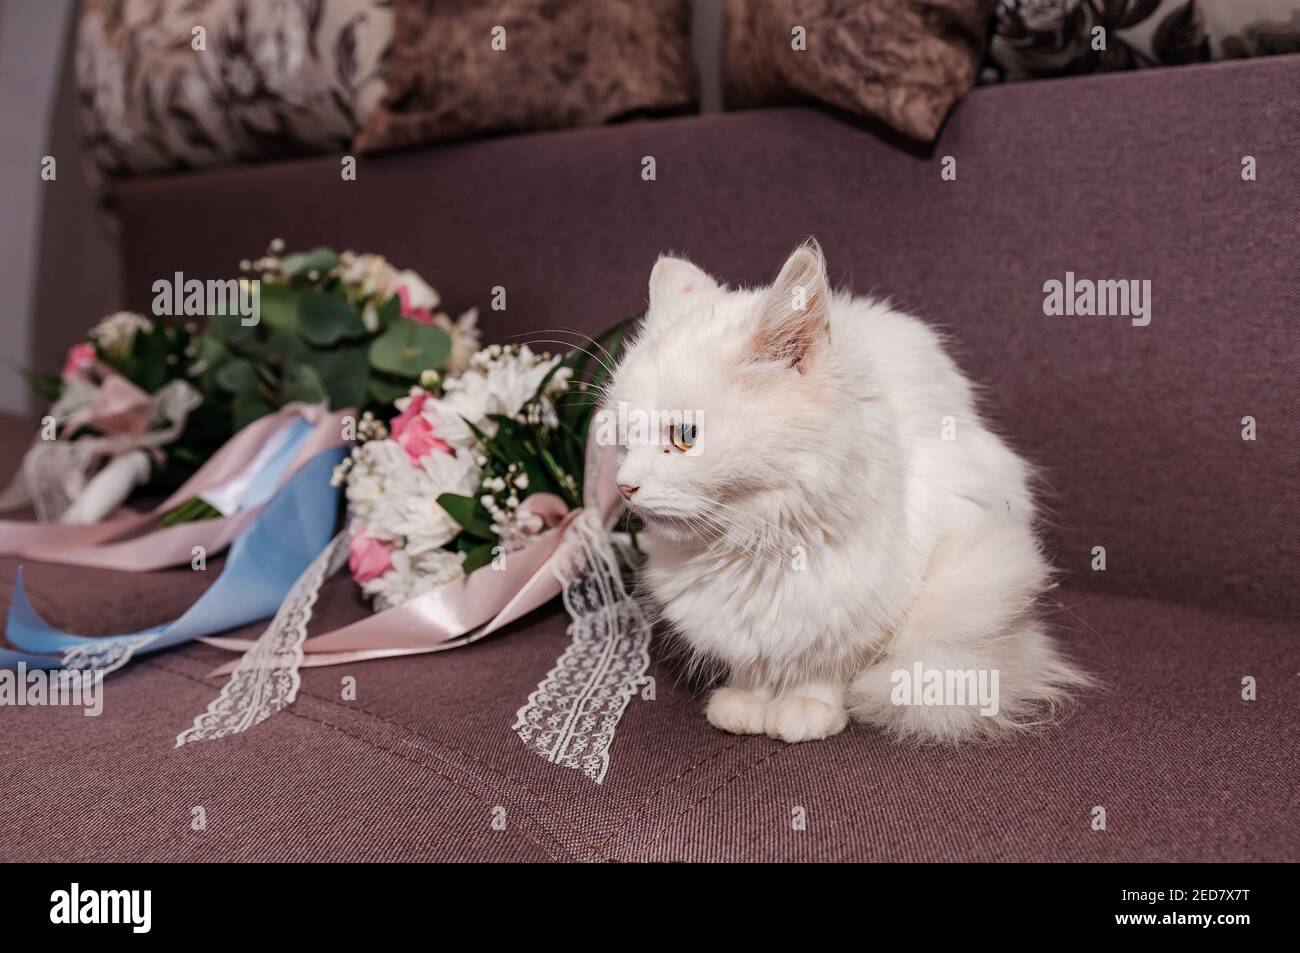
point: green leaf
(344, 373)
(325, 319)
(285, 349)
(236, 376)
(468, 513)
(249, 405)
(389, 312)
(191, 511)
(478, 557)
(228, 329)
(384, 391)
(302, 383)
(318, 259)
(407, 349)
(47, 386)
(279, 306)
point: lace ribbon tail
(266, 679)
(569, 719)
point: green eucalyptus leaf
(325, 319)
(236, 376)
(300, 263)
(408, 349)
(228, 328)
(385, 391)
(303, 383)
(345, 374)
(249, 405)
(389, 312)
(279, 306)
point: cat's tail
(972, 658)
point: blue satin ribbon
(263, 564)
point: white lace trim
(266, 679)
(105, 655)
(570, 717)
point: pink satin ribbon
(469, 608)
(118, 543)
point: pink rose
(418, 315)
(368, 558)
(413, 433)
(81, 358)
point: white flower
(116, 333)
(419, 295)
(464, 335)
(368, 275)
(498, 381)
(412, 576)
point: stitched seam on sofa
(645, 848)
(405, 757)
(434, 771)
(598, 851)
(669, 783)
(546, 805)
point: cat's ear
(794, 320)
(675, 283)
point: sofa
(1137, 433)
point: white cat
(825, 509)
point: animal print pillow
(1035, 38)
(465, 67)
(905, 62)
(169, 85)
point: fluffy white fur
(825, 534)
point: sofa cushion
(466, 67)
(903, 62)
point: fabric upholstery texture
(464, 67)
(1040, 38)
(1136, 430)
(271, 79)
(904, 62)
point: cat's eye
(683, 436)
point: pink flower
(368, 558)
(418, 315)
(414, 433)
(81, 358)
(417, 439)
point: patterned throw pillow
(466, 67)
(169, 85)
(1038, 38)
(905, 62)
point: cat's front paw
(804, 719)
(737, 711)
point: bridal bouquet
(471, 468)
(124, 412)
(147, 401)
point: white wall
(32, 34)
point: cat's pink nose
(627, 489)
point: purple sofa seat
(1137, 431)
